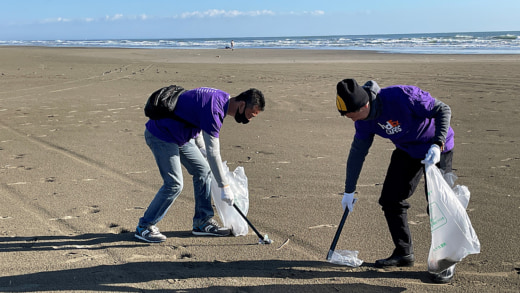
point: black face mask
(241, 118)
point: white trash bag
(346, 257)
(461, 192)
(228, 214)
(453, 237)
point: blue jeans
(169, 157)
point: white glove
(226, 194)
(433, 156)
(348, 201)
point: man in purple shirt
(419, 127)
(186, 140)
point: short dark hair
(252, 97)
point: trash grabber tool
(338, 232)
(262, 239)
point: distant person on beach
(419, 127)
(232, 45)
(200, 112)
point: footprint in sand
(84, 210)
(83, 257)
(140, 257)
(94, 209)
(118, 229)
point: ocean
(504, 42)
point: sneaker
(149, 234)
(445, 276)
(211, 228)
(396, 261)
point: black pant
(402, 178)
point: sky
(156, 19)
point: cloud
(212, 13)
(236, 13)
(114, 17)
(106, 18)
(223, 13)
(55, 20)
(313, 13)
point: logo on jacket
(391, 127)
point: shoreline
(263, 56)
(441, 42)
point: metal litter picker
(262, 239)
(338, 233)
(343, 257)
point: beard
(241, 118)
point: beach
(76, 173)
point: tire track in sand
(77, 157)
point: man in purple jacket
(419, 127)
(185, 140)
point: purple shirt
(406, 120)
(202, 109)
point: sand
(76, 174)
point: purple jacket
(406, 115)
(202, 108)
(406, 119)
